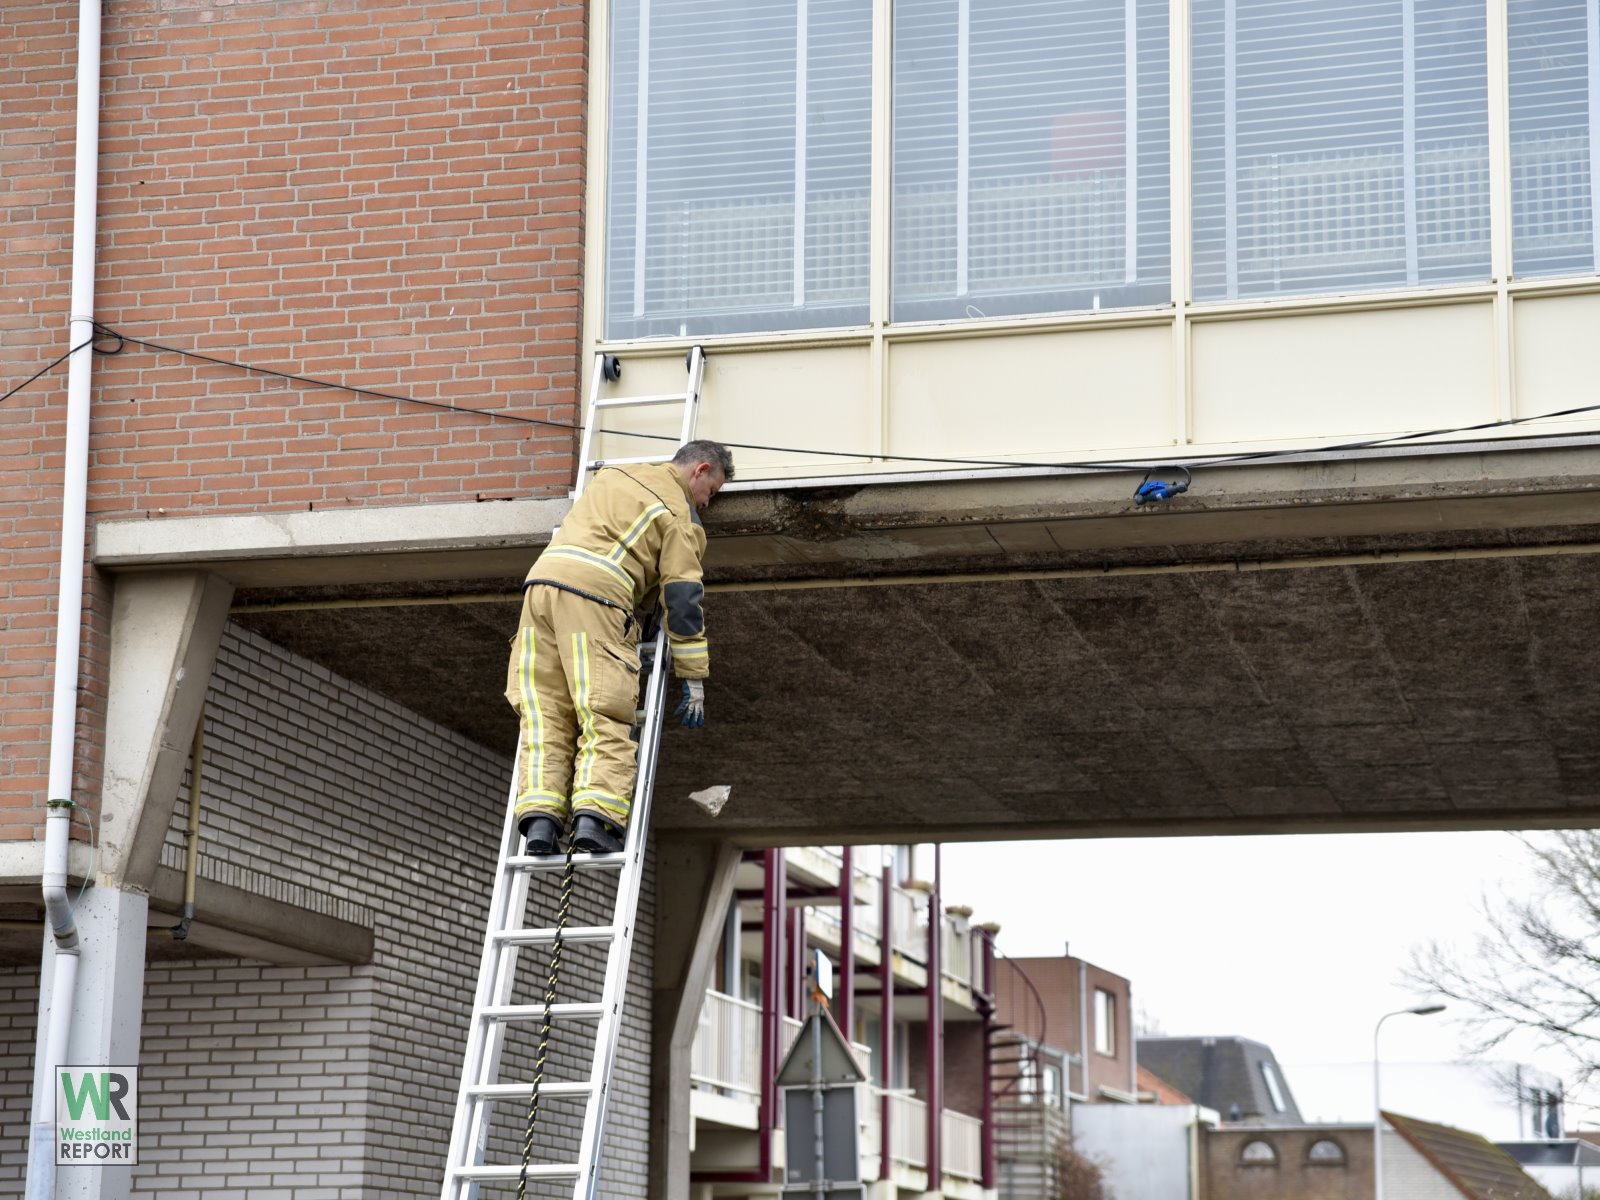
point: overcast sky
(1295, 941)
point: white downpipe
(57, 1000)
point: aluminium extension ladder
(492, 1010)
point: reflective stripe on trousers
(573, 677)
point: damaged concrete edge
(1224, 488)
(789, 528)
(409, 529)
(22, 863)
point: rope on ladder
(563, 909)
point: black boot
(594, 835)
(541, 833)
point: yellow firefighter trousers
(573, 678)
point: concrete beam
(694, 884)
(165, 629)
(403, 543)
(233, 921)
(228, 921)
(864, 524)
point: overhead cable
(808, 451)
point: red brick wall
(382, 194)
(1057, 982)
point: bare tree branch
(1535, 966)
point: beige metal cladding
(1321, 362)
(1127, 387)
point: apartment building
(925, 1046)
(1066, 1032)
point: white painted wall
(1144, 1151)
(1409, 1176)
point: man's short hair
(703, 451)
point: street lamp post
(1422, 1010)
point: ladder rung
(636, 460)
(514, 1171)
(513, 1091)
(544, 937)
(641, 401)
(534, 1012)
(558, 862)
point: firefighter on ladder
(634, 535)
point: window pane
(1325, 1151)
(1105, 1022)
(733, 206)
(1338, 147)
(1274, 1091)
(1030, 170)
(1555, 100)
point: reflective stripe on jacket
(633, 536)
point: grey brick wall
(256, 1081)
(363, 807)
(19, 1009)
(338, 1083)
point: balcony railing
(963, 1145)
(962, 1152)
(726, 1059)
(727, 1047)
(909, 911)
(963, 953)
(959, 947)
(908, 1126)
(726, 1056)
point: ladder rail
(493, 1014)
(619, 958)
(591, 419)
(486, 1040)
(691, 405)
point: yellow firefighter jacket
(632, 535)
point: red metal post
(844, 1009)
(935, 1031)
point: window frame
(1252, 1163)
(1105, 1022)
(879, 326)
(1342, 1159)
(1274, 1085)
(1180, 318)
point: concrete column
(107, 1005)
(694, 883)
(165, 629)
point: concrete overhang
(862, 526)
(229, 922)
(1388, 641)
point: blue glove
(691, 709)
